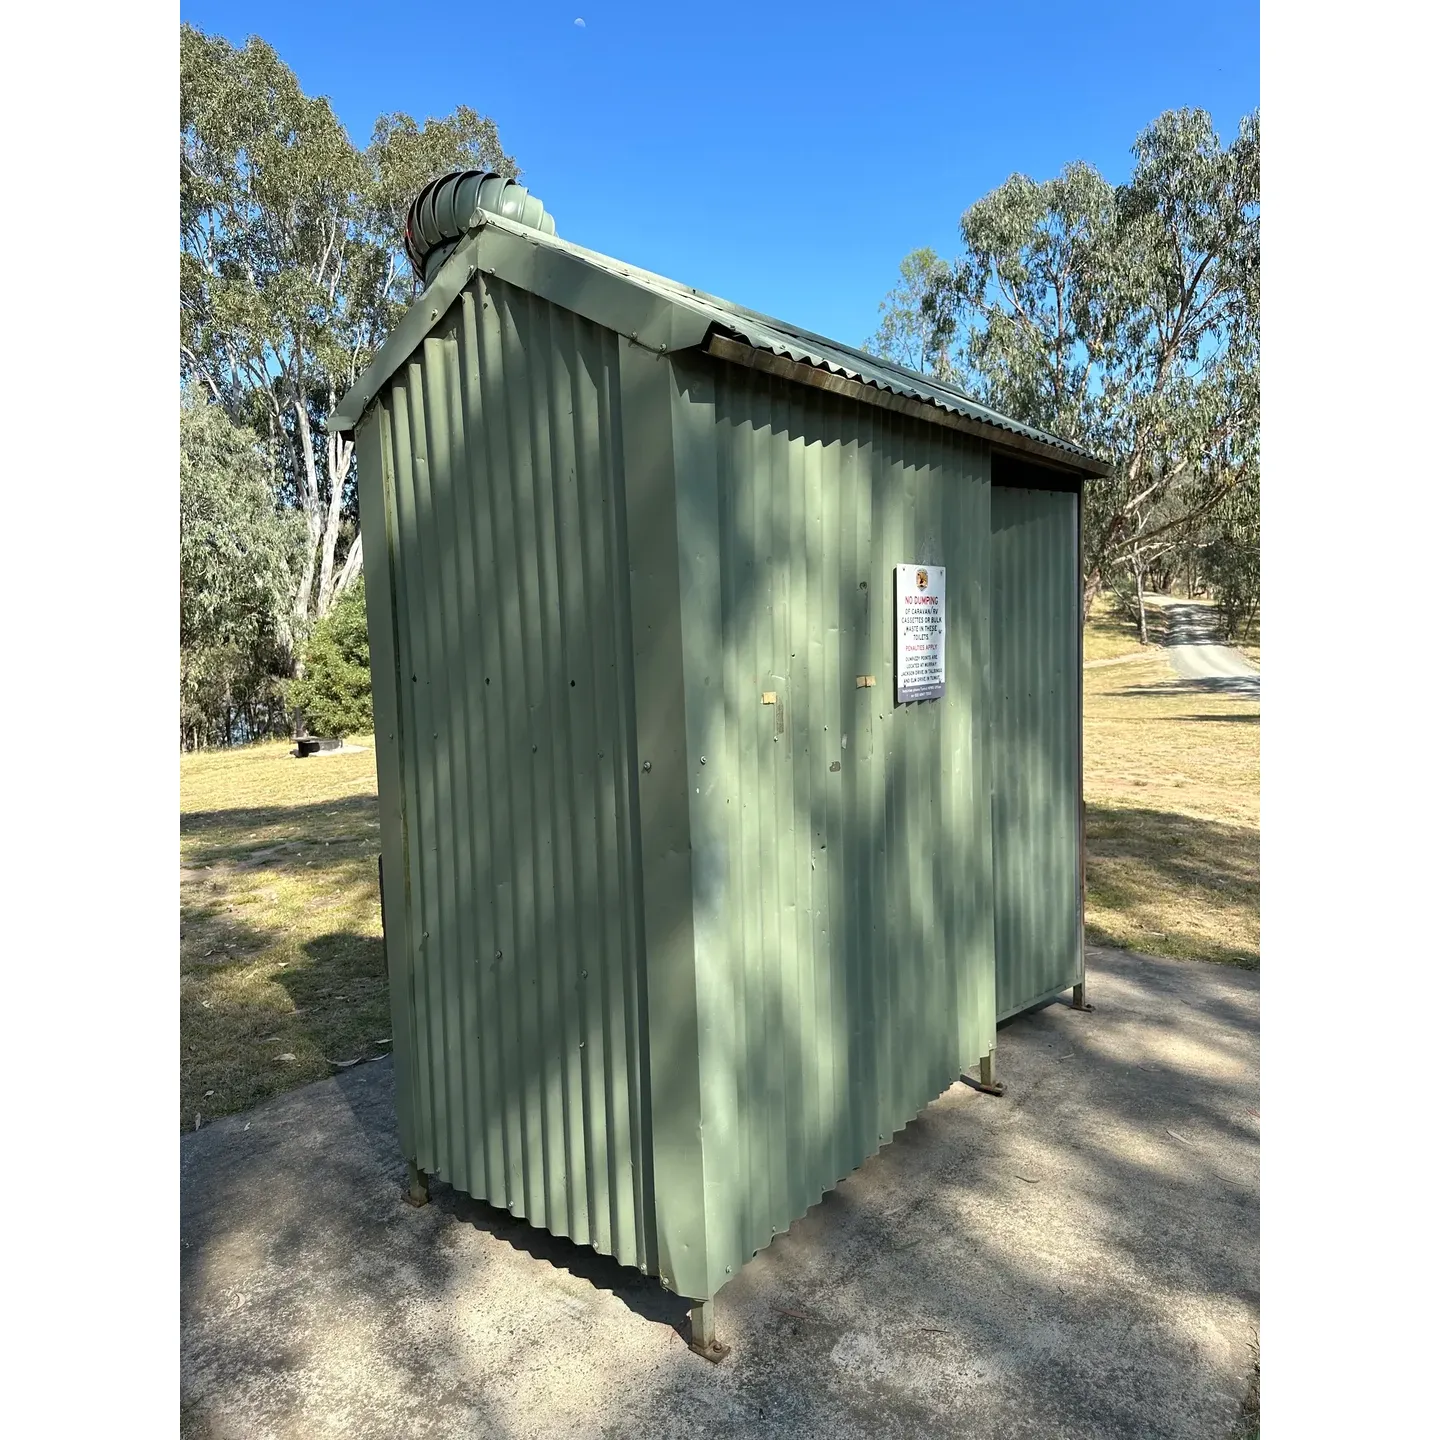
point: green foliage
(292, 270)
(1125, 318)
(907, 333)
(333, 692)
(1226, 557)
(238, 556)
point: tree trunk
(337, 458)
(1088, 593)
(310, 500)
(349, 572)
(1140, 599)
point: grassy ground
(1248, 644)
(282, 970)
(1109, 634)
(1172, 788)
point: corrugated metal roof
(761, 332)
(765, 332)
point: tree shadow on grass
(256, 836)
(1138, 857)
(1233, 687)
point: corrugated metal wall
(496, 556)
(1034, 680)
(841, 845)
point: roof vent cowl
(442, 212)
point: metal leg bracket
(702, 1332)
(989, 1085)
(1077, 998)
(418, 1191)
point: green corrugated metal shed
(685, 915)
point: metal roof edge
(665, 316)
(938, 397)
(1025, 447)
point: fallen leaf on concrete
(343, 1064)
(1069, 1055)
(1029, 1179)
(793, 1314)
(1180, 1138)
(386, 1041)
(197, 1122)
(286, 1056)
(208, 1094)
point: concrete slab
(1079, 1258)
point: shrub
(332, 694)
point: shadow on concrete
(1078, 1257)
(643, 1295)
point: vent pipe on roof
(445, 209)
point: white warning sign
(919, 632)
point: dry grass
(1172, 788)
(1248, 643)
(282, 967)
(1109, 633)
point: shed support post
(1077, 998)
(702, 1332)
(989, 1085)
(418, 1191)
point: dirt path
(1197, 654)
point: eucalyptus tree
(239, 555)
(292, 268)
(908, 332)
(1123, 317)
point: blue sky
(784, 156)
